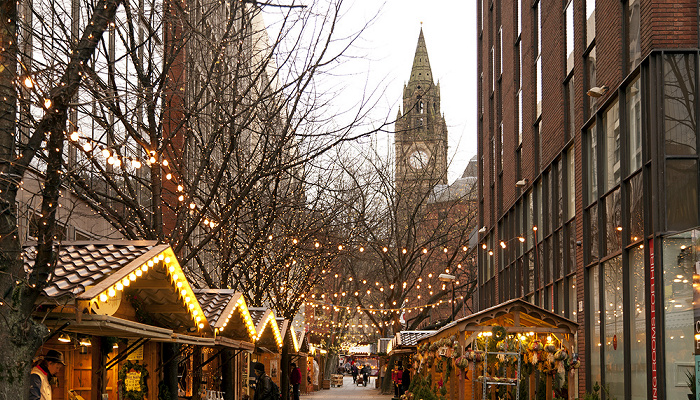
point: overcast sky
(383, 56)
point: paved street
(349, 391)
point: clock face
(418, 159)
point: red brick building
(588, 179)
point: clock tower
(420, 132)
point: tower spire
(420, 72)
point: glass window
(573, 303)
(633, 42)
(559, 189)
(594, 323)
(519, 13)
(571, 183)
(571, 107)
(614, 328)
(592, 221)
(679, 104)
(529, 212)
(538, 57)
(591, 75)
(538, 69)
(500, 50)
(634, 125)
(613, 222)
(680, 302)
(592, 164)
(530, 272)
(538, 217)
(520, 117)
(681, 194)
(636, 208)
(637, 315)
(611, 123)
(590, 21)
(569, 15)
(493, 69)
(571, 243)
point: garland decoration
(133, 378)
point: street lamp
(451, 279)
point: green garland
(499, 333)
(133, 394)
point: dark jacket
(406, 379)
(295, 376)
(263, 388)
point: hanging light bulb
(75, 136)
(47, 103)
(28, 83)
(106, 153)
(64, 338)
(165, 163)
(87, 147)
(136, 164)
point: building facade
(588, 180)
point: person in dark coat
(353, 371)
(295, 380)
(406, 378)
(263, 383)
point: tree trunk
(284, 370)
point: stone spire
(420, 73)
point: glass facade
(681, 308)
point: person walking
(295, 380)
(366, 371)
(353, 371)
(39, 380)
(263, 384)
(406, 378)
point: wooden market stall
(268, 342)
(119, 306)
(223, 368)
(509, 346)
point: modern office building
(588, 180)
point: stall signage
(696, 312)
(136, 355)
(133, 381)
(652, 320)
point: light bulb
(106, 153)
(87, 147)
(75, 136)
(28, 83)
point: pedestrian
(353, 371)
(48, 367)
(406, 378)
(366, 371)
(263, 384)
(295, 380)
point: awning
(107, 325)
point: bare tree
(404, 235)
(41, 79)
(187, 124)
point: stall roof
(404, 340)
(97, 276)
(288, 333)
(227, 313)
(268, 332)
(518, 316)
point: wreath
(499, 333)
(129, 367)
